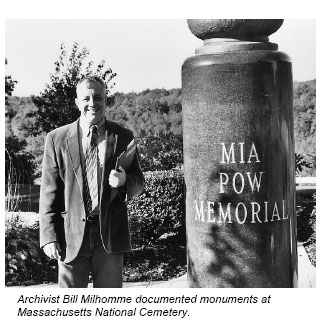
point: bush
(19, 163)
(159, 212)
(306, 222)
(157, 222)
(25, 263)
(306, 216)
(161, 152)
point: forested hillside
(149, 113)
(156, 117)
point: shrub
(306, 222)
(161, 152)
(157, 222)
(159, 212)
(25, 263)
(306, 216)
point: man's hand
(116, 178)
(52, 250)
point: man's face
(91, 101)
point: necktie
(91, 187)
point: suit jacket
(62, 213)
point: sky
(145, 53)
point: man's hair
(91, 79)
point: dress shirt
(84, 142)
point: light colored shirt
(84, 143)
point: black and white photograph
(158, 155)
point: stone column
(239, 165)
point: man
(81, 225)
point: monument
(239, 163)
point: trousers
(105, 268)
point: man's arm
(51, 197)
(134, 179)
(131, 182)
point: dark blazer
(62, 212)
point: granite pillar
(239, 161)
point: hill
(156, 116)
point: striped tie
(91, 186)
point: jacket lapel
(111, 142)
(72, 145)
(111, 129)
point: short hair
(91, 79)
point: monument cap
(242, 29)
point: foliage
(306, 222)
(158, 236)
(300, 163)
(157, 222)
(9, 85)
(23, 120)
(19, 163)
(305, 123)
(24, 261)
(149, 113)
(22, 197)
(56, 104)
(21, 127)
(306, 217)
(162, 152)
(155, 117)
(19, 169)
(159, 210)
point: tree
(56, 104)
(19, 162)
(305, 125)
(9, 84)
(9, 87)
(150, 112)
(19, 131)
(23, 122)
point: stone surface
(248, 29)
(239, 168)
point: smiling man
(80, 225)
